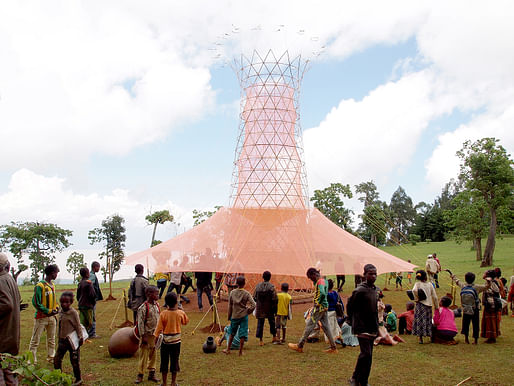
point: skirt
(422, 325)
(491, 324)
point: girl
(444, 321)
(492, 309)
(333, 298)
(422, 325)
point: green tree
(39, 241)
(201, 216)
(112, 236)
(21, 268)
(329, 201)
(373, 227)
(402, 215)
(74, 263)
(158, 217)
(486, 171)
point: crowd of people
(369, 321)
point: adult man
(319, 313)
(9, 318)
(265, 297)
(45, 303)
(203, 284)
(436, 276)
(363, 316)
(137, 295)
(95, 267)
(432, 267)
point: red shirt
(409, 318)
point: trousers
(312, 321)
(147, 354)
(47, 324)
(62, 349)
(363, 366)
(260, 327)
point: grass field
(404, 364)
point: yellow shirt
(161, 275)
(284, 299)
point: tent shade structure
(268, 224)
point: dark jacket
(203, 279)
(266, 298)
(9, 314)
(86, 294)
(362, 309)
(96, 286)
(137, 295)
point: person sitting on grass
(147, 318)
(170, 325)
(319, 313)
(240, 305)
(406, 319)
(444, 329)
(284, 301)
(225, 335)
(383, 335)
(391, 318)
(86, 296)
(69, 323)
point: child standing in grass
(170, 325)
(240, 304)
(68, 323)
(86, 296)
(284, 300)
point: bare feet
(226, 351)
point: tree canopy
(158, 217)
(329, 201)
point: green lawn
(405, 364)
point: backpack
(469, 300)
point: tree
(21, 268)
(402, 215)
(74, 263)
(40, 241)
(373, 228)
(158, 217)
(329, 202)
(486, 171)
(112, 235)
(468, 220)
(201, 216)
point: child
(406, 319)
(444, 323)
(470, 303)
(383, 336)
(86, 296)
(399, 279)
(69, 322)
(284, 302)
(170, 325)
(409, 274)
(391, 318)
(147, 318)
(240, 304)
(319, 313)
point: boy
(147, 318)
(265, 298)
(470, 303)
(319, 313)
(86, 297)
(391, 319)
(363, 316)
(46, 310)
(399, 278)
(406, 319)
(240, 305)
(170, 325)
(95, 268)
(137, 290)
(68, 323)
(284, 300)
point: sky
(129, 107)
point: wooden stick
(464, 380)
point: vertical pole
(125, 305)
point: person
(284, 301)
(391, 320)
(86, 297)
(436, 275)
(218, 278)
(69, 323)
(510, 297)
(470, 303)
(162, 279)
(333, 299)
(431, 269)
(341, 279)
(187, 281)
(319, 313)
(422, 325)
(406, 319)
(392, 275)
(347, 338)
(492, 309)
(383, 336)
(95, 268)
(444, 323)
(399, 278)
(10, 301)
(225, 335)
(175, 283)
(170, 325)
(203, 285)
(46, 310)
(147, 317)
(409, 274)
(362, 310)
(231, 281)
(265, 298)
(137, 290)
(240, 305)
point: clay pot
(209, 346)
(123, 343)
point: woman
(333, 298)
(422, 325)
(492, 309)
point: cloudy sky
(128, 106)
